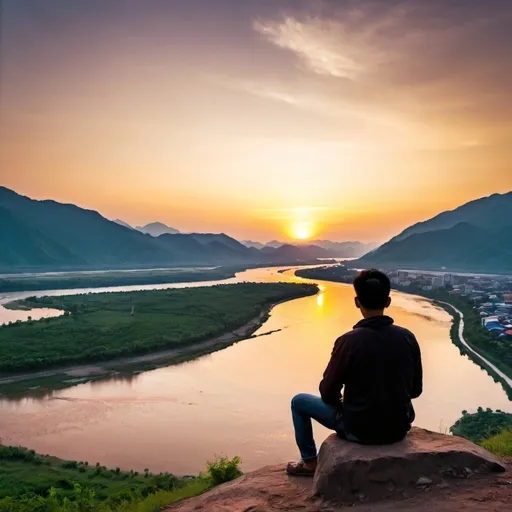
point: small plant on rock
(223, 469)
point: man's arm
(417, 386)
(335, 373)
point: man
(380, 366)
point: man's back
(379, 365)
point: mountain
(47, 235)
(480, 243)
(157, 229)
(288, 252)
(123, 223)
(87, 235)
(220, 238)
(492, 213)
(275, 244)
(32, 249)
(345, 249)
(250, 243)
(336, 249)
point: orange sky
(355, 118)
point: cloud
(319, 43)
(430, 68)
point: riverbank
(231, 312)
(480, 358)
(137, 277)
(98, 279)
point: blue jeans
(306, 407)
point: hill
(47, 235)
(250, 243)
(23, 245)
(156, 229)
(491, 213)
(123, 223)
(345, 249)
(90, 239)
(336, 249)
(480, 242)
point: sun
(302, 230)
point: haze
(262, 119)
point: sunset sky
(264, 118)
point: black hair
(372, 289)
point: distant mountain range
(47, 235)
(335, 249)
(153, 228)
(477, 237)
(157, 229)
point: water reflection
(236, 401)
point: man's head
(372, 292)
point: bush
(70, 464)
(482, 425)
(224, 470)
(501, 444)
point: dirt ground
(270, 489)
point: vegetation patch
(33, 482)
(482, 425)
(103, 326)
(500, 444)
(75, 280)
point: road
(497, 371)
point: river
(235, 401)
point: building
(449, 279)
(437, 281)
(402, 274)
(468, 288)
(490, 321)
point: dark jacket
(380, 366)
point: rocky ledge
(426, 471)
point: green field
(99, 327)
(30, 482)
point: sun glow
(302, 230)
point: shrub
(501, 444)
(224, 470)
(482, 425)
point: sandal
(299, 469)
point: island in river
(105, 326)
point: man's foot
(302, 468)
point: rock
(271, 490)
(347, 470)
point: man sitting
(379, 364)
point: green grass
(33, 482)
(99, 327)
(501, 444)
(23, 471)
